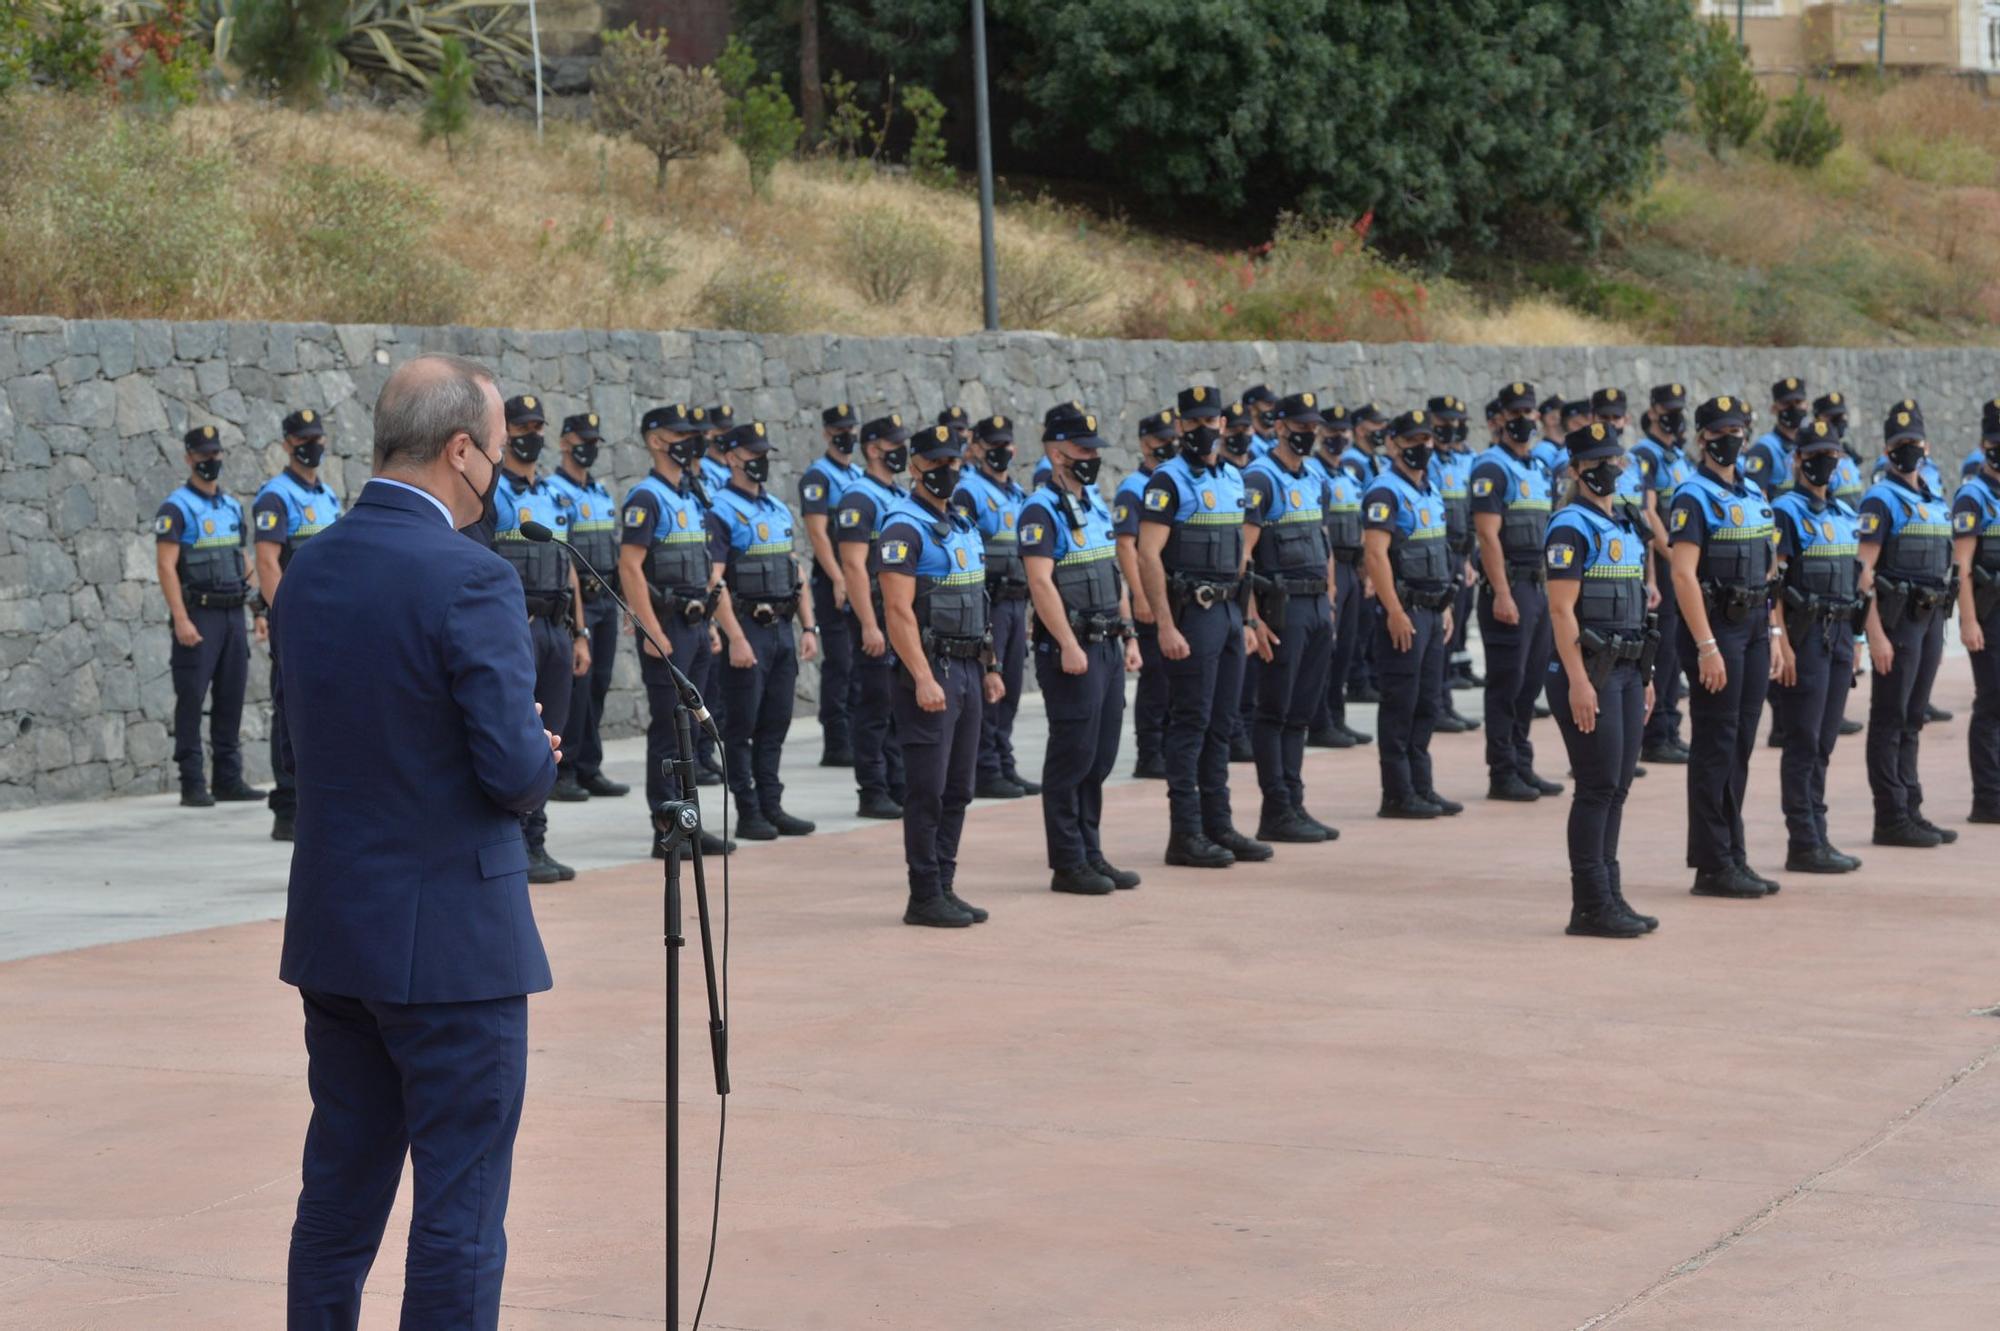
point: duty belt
(953, 649)
(1525, 572)
(773, 612)
(692, 609)
(1425, 598)
(1202, 592)
(1096, 628)
(1295, 586)
(214, 600)
(1007, 589)
(1348, 557)
(548, 607)
(1735, 603)
(592, 591)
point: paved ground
(1367, 1086)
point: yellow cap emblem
(306, 415)
(1090, 424)
(591, 419)
(1791, 383)
(999, 422)
(1723, 402)
(208, 432)
(1199, 395)
(1902, 418)
(895, 418)
(1677, 389)
(1596, 431)
(1308, 399)
(1517, 389)
(527, 399)
(699, 413)
(1834, 398)
(760, 429)
(1416, 418)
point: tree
(448, 104)
(290, 47)
(638, 92)
(1728, 104)
(1803, 134)
(770, 131)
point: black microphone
(690, 696)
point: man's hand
(1142, 609)
(930, 696)
(1134, 662)
(646, 645)
(740, 654)
(1504, 609)
(185, 633)
(1074, 662)
(1649, 701)
(1881, 653)
(874, 644)
(262, 628)
(808, 646)
(1173, 645)
(555, 740)
(714, 638)
(1969, 633)
(1402, 633)
(580, 657)
(1444, 623)
(1784, 663)
(1652, 596)
(1266, 641)
(996, 687)
(839, 588)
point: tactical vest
(1985, 523)
(1916, 545)
(1825, 564)
(211, 542)
(1206, 540)
(996, 510)
(1451, 472)
(1293, 537)
(1847, 486)
(1343, 511)
(760, 564)
(309, 510)
(1524, 522)
(1776, 478)
(1420, 556)
(1740, 532)
(1612, 599)
(950, 570)
(1628, 501)
(593, 520)
(885, 498)
(677, 560)
(544, 568)
(1086, 555)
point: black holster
(1649, 648)
(1892, 602)
(1985, 590)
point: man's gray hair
(427, 400)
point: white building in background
(1797, 36)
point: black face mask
(1674, 423)
(1300, 442)
(1818, 468)
(1265, 420)
(310, 454)
(686, 451)
(1602, 479)
(1196, 443)
(1722, 449)
(1521, 429)
(998, 456)
(1417, 457)
(485, 497)
(1236, 445)
(1992, 452)
(894, 460)
(1334, 444)
(1085, 469)
(208, 468)
(585, 453)
(758, 468)
(1837, 424)
(842, 441)
(1792, 417)
(1907, 456)
(1163, 450)
(526, 447)
(940, 482)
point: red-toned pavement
(1369, 1085)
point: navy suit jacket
(406, 679)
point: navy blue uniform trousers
(1517, 668)
(555, 655)
(218, 664)
(691, 654)
(1149, 700)
(1664, 725)
(836, 666)
(1809, 711)
(1411, 684)
(1722, 736)
(759, 715)
(1897, 699)
(1010, 653)
(583, 746)
(441, 1083)
(878, 751)
(1289, 696)
(1982, 733)
(940, 755)
(1203, 691)
(1603, 761)
(1085, 712)
(1348, 627)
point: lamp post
(989, 267)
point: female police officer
(1975, 527)
(1600, 687)
(1720, 533)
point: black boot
(1614, 881)
(1725, 883)
(836, 756)
(875, 804)
(1327, 830)
(788, 825)
(1330, 737)
(1541, 783)
(1945, 835)
(1150, 767)
(1027, 787)
(937, 912)
(1511, 788)
(196, 797)
(542, 869)
(1595, 913)
(978, 915)
(1359, 736)
(711, 844)
(1933, 712)
(1122, 879)
(1849, 863)
(1192, 850)
(1907, 834)
(1449, 808)
(1848, 727)
(754, 826)
(1449, 722)
(1282, 823)
(997, 788)
(1239, 749)
(1813, 859)
(599, 784)
(1242, 847)
(1407, 806)
(281, 827)
(240, 791)
(1081, 880)
(1771, 886)
(567, 789)
(1666, 753)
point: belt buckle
(763, 613)
(1204, 595)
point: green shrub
(889, 254)
(69, 50)
(1803, 134)
(770, 131)
(852, 134)
(930, 164)
(17, 40)
(735, 69)
(637, 90)
(1040, 287)
(356, 244)
(755, 297)
(448, 105)
(1728, 104)
(1950, 160)
(290, 47)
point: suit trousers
(443, 1084)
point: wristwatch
(810, 628)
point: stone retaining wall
(92, 412)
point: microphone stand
(677, 823)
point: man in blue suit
(408, 930)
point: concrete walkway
(1369, 1085)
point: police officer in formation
(1818, 595)
(1975, 525)
(1084, 644)
(1191, 558)
(556, 627)
(1722, 534)
(1158, 444)
(199, 539)
(1848, 486)
(1292, 572)
(1451, 472)
(666, 569)
(1350, 591)
(593, 533)
(289, 509)
(991, 501)
(934, 601)
(750, 535)
(1663, 465)
(1769, 461)
(821, 486)
(857, 532)
(1906, 563)
(1511, 502)
(1408, 560)
(1600, 682)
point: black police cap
(1989, 421)
(1337, 417)
(716, 418)
(1901, 424)
(994, 430)
(936, 441)
(1159, 425)
(1066, 422)
(1609, 402)
(1412, 423)
(1493, 408)
(1300, 409)
(1791, 388)
(304, 424)
(525, 407)
(1718, 412)
(751, 435)
(1593, 443)
(1673, 397)
(955, 417)
(1369, 414)
(1256, 395)
(1446, 408)
(675, 416)
(1817, 437)
(1517, 396)
(888, 429)
(1830, 404)
(1236, 416)
(202, 439)
(839, 417)
(1580, 407)
(1553, 402)
(583, 425)
(1200, 400)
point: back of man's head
(427, 401)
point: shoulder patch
(895, 552)
(1871, 521)
(163, 524)
(1159, 500)
(267, 521)
(1253, 498)
(635, 516)
(1121, 513)
(1965, 521)
(1561, 554)
(815, 491)
(1680, 518)
(850, 517)
(1378, 511)
(1031, 533)
(1483, 486)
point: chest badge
(681, 519)
(1617, 551)
(583, 509)
(1208, 499)
(1007, 521)
(960, 553)
(1296, 499)
(311, 516)
(763, 531)
(1736, 515)
(208, 526)
(525, 515)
